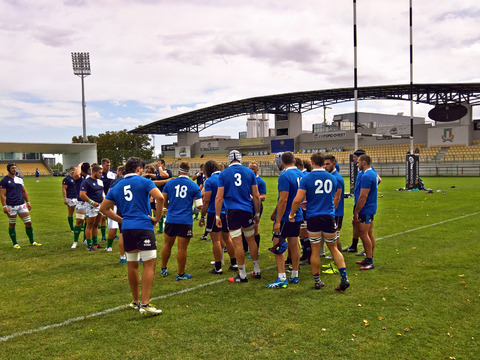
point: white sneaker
(74, 245)
(108, 249)
(149, 310)
(329, 257)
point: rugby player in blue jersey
(80, 174)
(320, 187)
(92, 193)
(217, 234)
(365, 209)
(339, 200)
(304, 240)
(14, 197)
(262, 192)
(238, 188)
(288, 183)
(69, 192)
(131, 195)
(179, 193)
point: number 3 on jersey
(328, 187)
(238, 181)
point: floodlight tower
(81, 67)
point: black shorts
(180, 230)
(237, 219)
(365, 218)
(290, 229)
(339, 222)
(321, 223)
(136, 239)
(212, 225)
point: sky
(154, 59)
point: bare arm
(64, 193)
(106, 208)
(338, 197)
(281, 206)
(3, 192)
(160, 200)
(25, 196)
(296, 203)
(360, 203)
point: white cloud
(174, 56)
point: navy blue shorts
(321, 223)
(365, 218)
(237, 219)
(212, 224)
(180, 230)
(137, 239)
(339, 222)
(290, 229)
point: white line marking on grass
(427, 226)
(104, 312)
(183, 291)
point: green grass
(427, 310)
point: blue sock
(343, 273)
(317, 278)
(369, 260)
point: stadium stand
(380, 154)
(26, 169)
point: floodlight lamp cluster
(81, 63)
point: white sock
(241, 271)
(256, 266)
(282, 276)
(294, 273)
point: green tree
(118, 146)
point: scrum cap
(234, 155)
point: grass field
(421, 302)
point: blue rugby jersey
(289, 180)
(181, 192)
(369, 180)
(237, 181)
(131, 195)
(320, 187)
(340, 183)
(211, 184)
(262, 186)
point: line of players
(237, 204)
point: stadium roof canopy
(198, 120)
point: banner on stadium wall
(353, 174)
(332, 135)
(250, 142)
(182, 152)
(168, 148)
(282, 145)
(208, 145)
(412, 171)
(402, 129)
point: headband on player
(185, 171)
